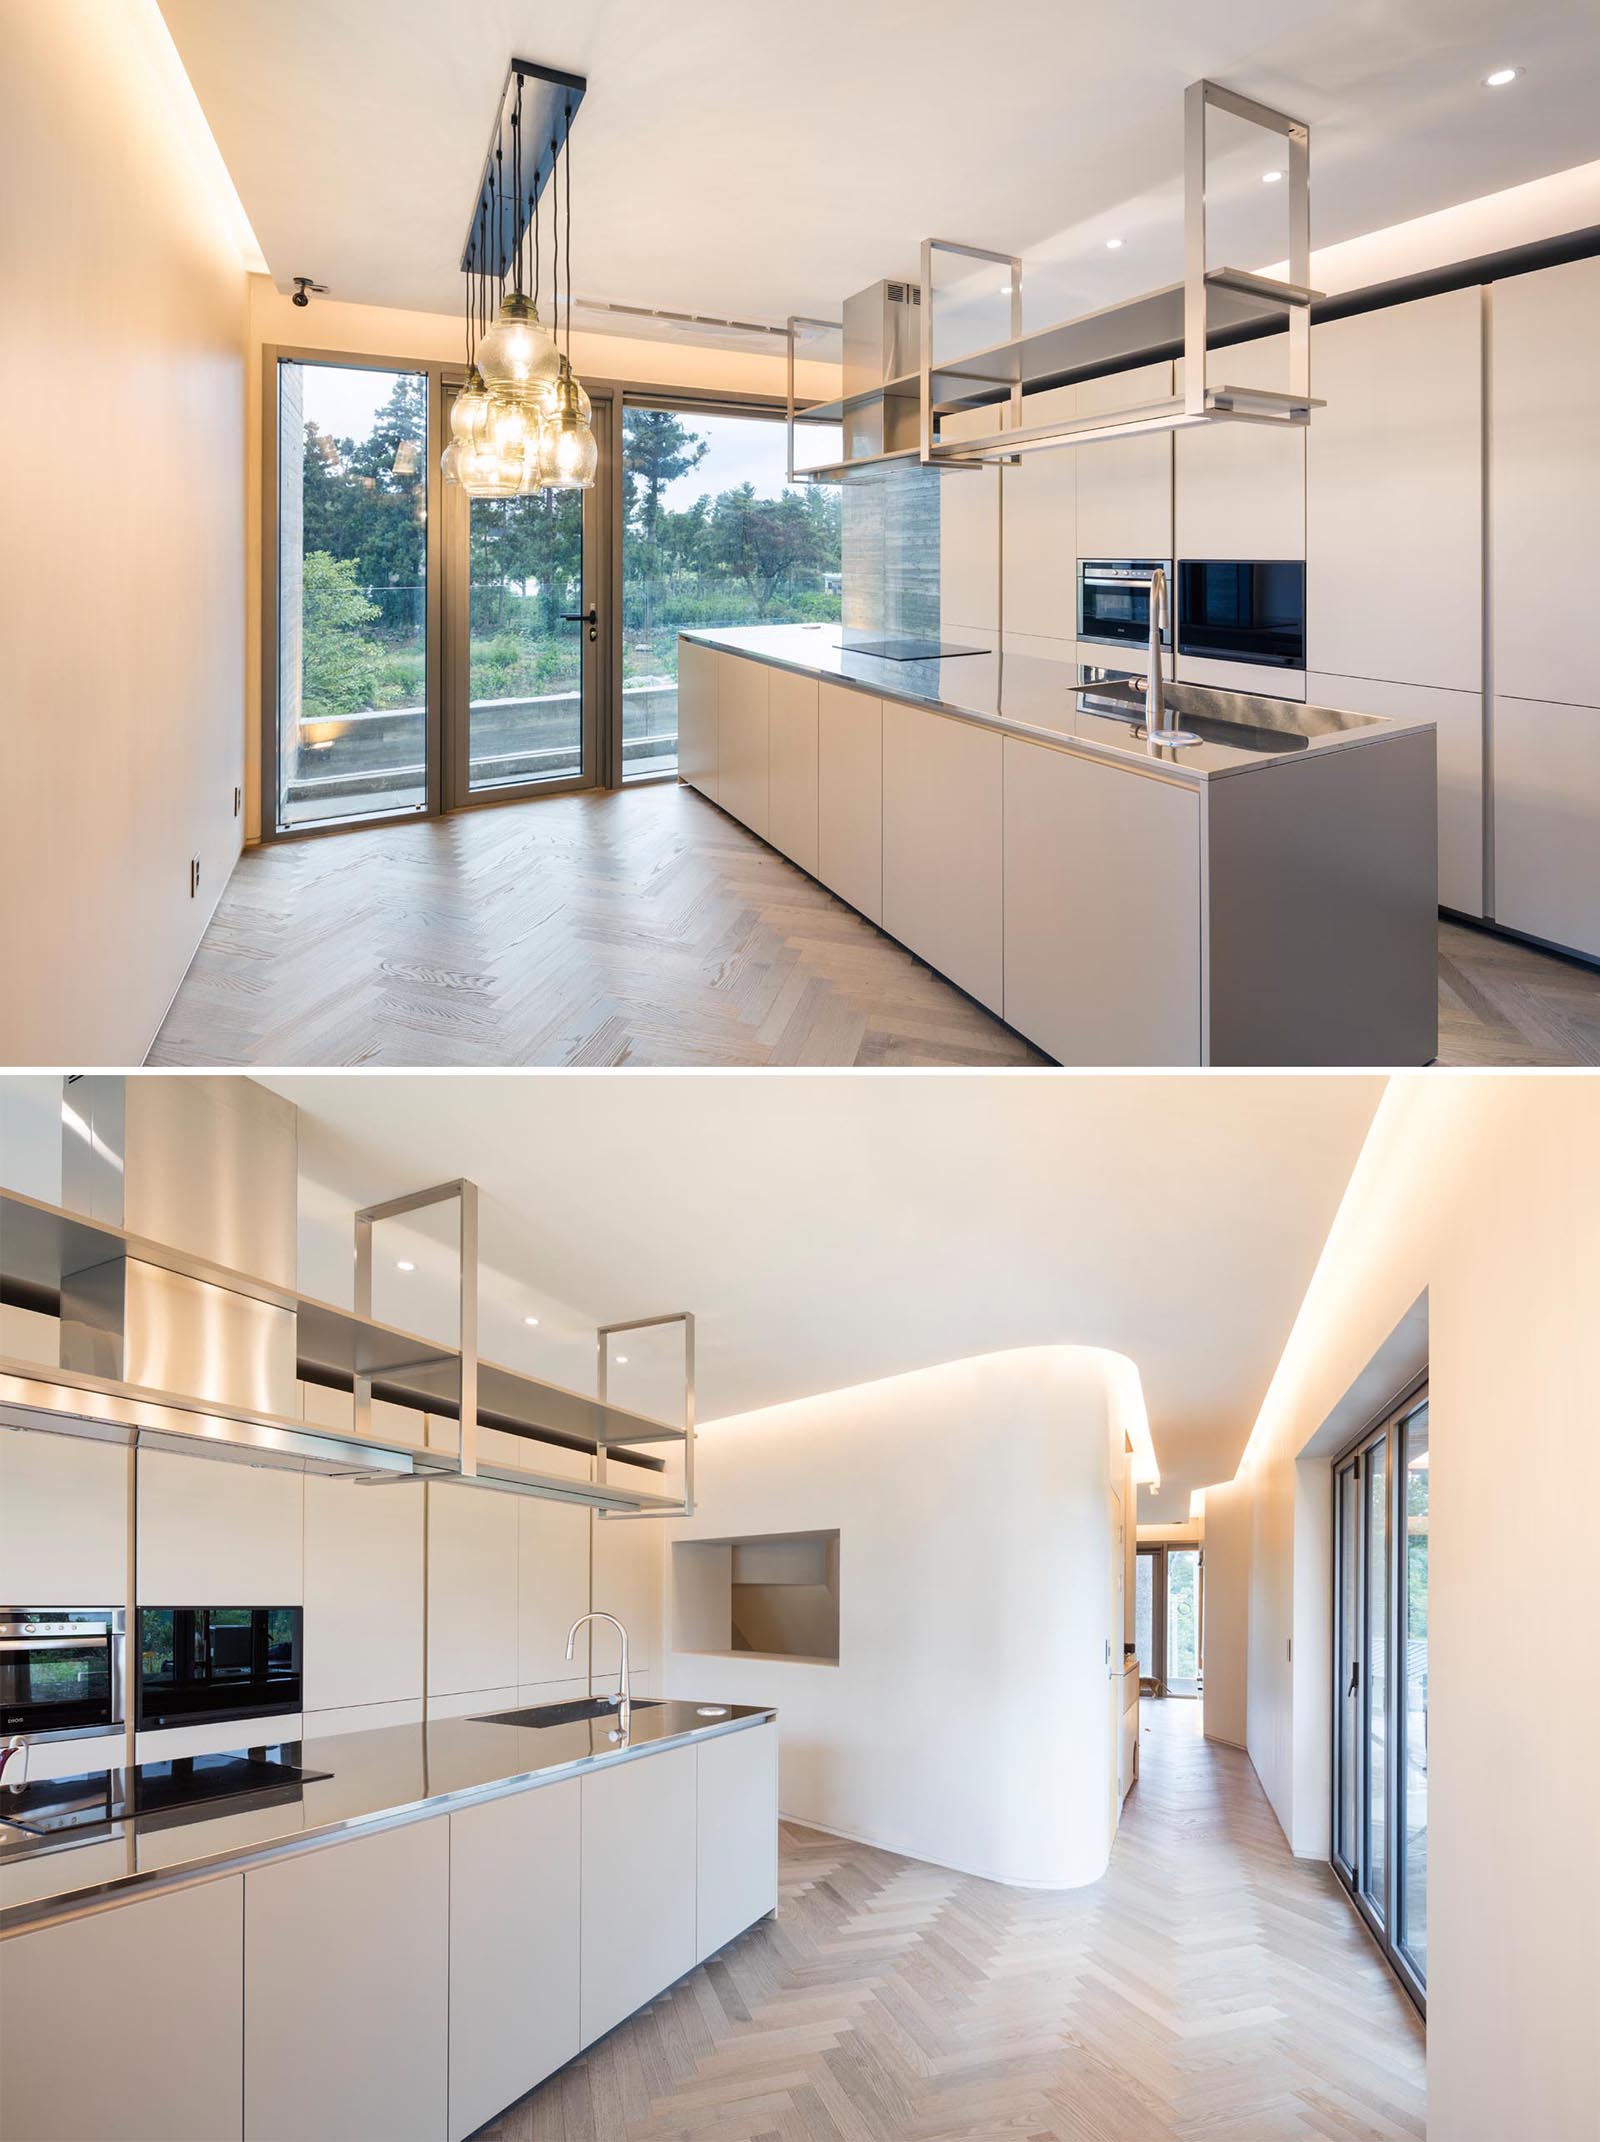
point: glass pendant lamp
(518, 354)
(470, 409)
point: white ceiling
(756, 160)
(829, 1230)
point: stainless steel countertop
(1054, 703)
(378, 1779)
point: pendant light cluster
(521, 422)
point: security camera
(303, 289)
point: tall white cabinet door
(45, 1561)
(364, 1578)
(1039, 515)
(346, 1991)
(472, 1590)
(513, 1948)
(737, 1879)
(1102, 889)
(1458, 717)
(638, 1885)
(792, 751)
(850, 797)
(232, 1535)
(697, 717)
(553, 1588)
(1394, 495)
(742, 767)
(1547, 821)
(968, 504)
(942, 867)
(1544, 502)
(1125, 485)
(127, 2026)
(628, 1569)
(1239, 490)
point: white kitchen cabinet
(346, 1990)
(553, 1585)
(792, 753)
(737, 1864)
(1124, 487)
(1459, 718)
(127, 2025)
(1544, 501)
(513, 1948)
(363, 1562)
(639, 1885)
(44, 1560)
(160, 1743)
(1239, 490)
(1547, 821)
(1039, 515)
(697, 717)
(1259, 678)
(1102, 910)
(850, 797)
(942, 868)
(627, 1564)
(1394, 495)
(230, 1535)
(969, 532)
(742, 742)
(472, 1589)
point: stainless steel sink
(550, 1714)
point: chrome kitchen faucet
(623, 1697)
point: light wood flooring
(646, 927)
(1209, 1989)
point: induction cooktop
(150, 1792)
(909, 650)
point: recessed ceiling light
(1270, 178)
(1500, 77)
(530, 1320)
(1112, 244)
(622, 1360)
(405, 1265)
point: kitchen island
(1266, 895)
(399, 1945)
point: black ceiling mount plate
(550, 101)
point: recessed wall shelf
(767, 1596)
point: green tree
(768, 543)
(339, 663)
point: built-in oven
(61, 1671)
(1243, 610)
(200, 1665)
(1114, 600)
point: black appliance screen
(217, 1662)
(1243, 610)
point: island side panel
(1323, 925)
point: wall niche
(775, 1596)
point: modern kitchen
(453, 1685)
(1103, 602)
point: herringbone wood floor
(1209, 1989)
(647, 927)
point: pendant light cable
(567, 247)
(516, 188)
(555, 235)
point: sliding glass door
(349, 660)
(1183, 1621)
(1380, 1768)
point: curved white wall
(968, 1721)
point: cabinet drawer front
(850, 797)
(738, 1858)
(1102, 906)
(942, 869)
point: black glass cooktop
(910, 650)
(171, 1790)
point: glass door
(526, 635)
(350, 668)
(1183, 1621)
(1149, 1620)
(1380, 1754)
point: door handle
(589, 617)
(1355, 1675)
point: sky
(344, 400)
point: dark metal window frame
(1383, 1920)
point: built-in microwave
(202, 1664)
(1114, 600)
(1243, 610)
(61, 1671)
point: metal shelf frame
(603, 1338)
(1122, 335)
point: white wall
(121, 532)
(967, 1721)
(1227, 1612)
(1483, 1192)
